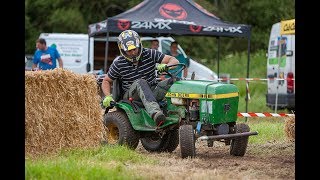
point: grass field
(115, 161)
(86, 164)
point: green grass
(236, 64)
(101, 163)
(270, 129)
(114, 162)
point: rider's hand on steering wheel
(107, 101)
(162, 68)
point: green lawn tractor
(194, 109)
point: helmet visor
(129, 40)
(131, 46)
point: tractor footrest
(227, 136)
(145, 127)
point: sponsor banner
(167, 18)
(287, 27)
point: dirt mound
(273, 160)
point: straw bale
(289, 128)
(62, 111)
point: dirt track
(273, 160)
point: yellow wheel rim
(112, 134)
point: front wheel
(187, 141)
(173, 141)
(239, 144)
(120, 130)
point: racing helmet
(129, 40)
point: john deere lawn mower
(194, 109)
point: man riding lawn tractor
(136, 69)
(163, 114)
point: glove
(107, 100)
(162, 68)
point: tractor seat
(117, 91)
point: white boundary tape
(250, 114)
(254, 79)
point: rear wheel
(187, 141)
(154, 143)
(120, 130)
(239, 144)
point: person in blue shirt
(45, 57)
(174, 52)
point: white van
(201, 72)
(74, 49)
(281, 66)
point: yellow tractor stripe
(198, 96)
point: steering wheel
(181, 66)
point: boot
(159, 118)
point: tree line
(74, 16)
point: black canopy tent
(165, 17)
(170, 17)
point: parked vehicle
(281, 66)
(28, 63)
(201, 72)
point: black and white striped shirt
(128, 72)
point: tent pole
(248, 65)
(218, 57)
(106, 53)
(88, 64)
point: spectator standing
(154, 44)
(45, 57)
(174, 52)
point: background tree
(74, 16)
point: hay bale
(62, 111)
(289, 127)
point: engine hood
(199, 89)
